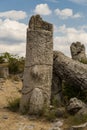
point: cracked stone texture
(39, 48)
(75, 105)
(36, 101)
(56, 89)
(38, 65)
(77, 51)
(36, 23)
(70, 70)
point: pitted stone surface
(36, 101)
(36, 23)
(75, 105)
(39, 48)
(78, 51)
(38, 65)
(70, 70)
(56, 88)
(37, 76)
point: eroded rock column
(36, 90)
(78, 51)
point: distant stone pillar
(78, 51)
(36, 90)
(4, 71)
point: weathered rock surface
(38, 65)
(39, 48)
(75, 105)
(82, 111)
(57, 125)
(60, 112)
(56, 89)
(79, 127)
(36, 101)
(78, 51)
(4, 71)
(36, 23)
(70, 70)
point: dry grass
(16, 121)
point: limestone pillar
(36, 90)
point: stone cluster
(45, 70)
(36, 90)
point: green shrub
(84, 61)
(13, 104)
(50, 115)
(25, 110)
(47, 113)
(1, 59)
(70, 91)
(77, 119)
(15, 63)
(54, 102)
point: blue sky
(69, 18)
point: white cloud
(66, 13)
(77, 15)
(69, 35)
(12, 36)
(18, 49)
(42, 9)
(13, 14)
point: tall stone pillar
(78, 51)
(36, 90)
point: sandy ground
(15, 121)
(10, 89)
